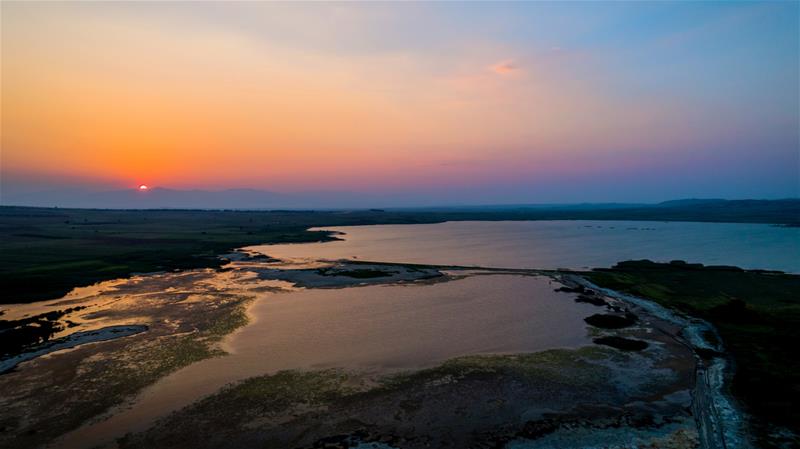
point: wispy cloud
(506, 67)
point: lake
(388, 328)
(558, 244)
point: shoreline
(719, 420)
(471, 271)
(186, 239)
(70, 341)
(715, 412)
(178, 420)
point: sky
(452, 102)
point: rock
(591, 299)
(576, 289)
(624, 344)
(608, 321)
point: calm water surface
(559, 244)
(409, 326)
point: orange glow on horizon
(270, 116)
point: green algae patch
(173, 352)
(288, 387)
(256, 402)
(461, 401)
(571, 366)
(93, 379)
(229, 322)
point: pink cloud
(504, 67)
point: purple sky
(415, 103)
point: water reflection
(375, 328)
(559, 244)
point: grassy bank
(44, 253)
(757, 314)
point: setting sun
(143, 187)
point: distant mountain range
(162, 198)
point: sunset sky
(514, 102)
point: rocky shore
(719, 420)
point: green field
(44, 253)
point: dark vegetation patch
(707, 354)
(45, 253)
(757, 315)
(361, 273)
(18, 335)
(260, 258)
(624, 344)
(575, 289)
(591, 299)
(608, 321)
